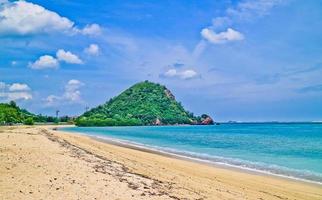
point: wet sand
(38, 163)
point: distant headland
(145, 103)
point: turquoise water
(293, 150)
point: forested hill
(10, 113)
(144, 103)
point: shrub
(29, 121)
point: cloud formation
(68, 57)
(222, 37)
(14, 92)
(245, 11)
(19, 87)
(24, 18)
(44, 62)
(71, 94)
(93, 29)
(184, 74)
(50, 62)
(92, 49)
(248, 9)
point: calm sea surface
(293, 150)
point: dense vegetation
(11, 114)
(145, 103)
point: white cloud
(71, 94)
(23, 18)
(222, 37)
(14, 96)
(13, 63)
(244, 11)
(184, 74)
(248, 9)
(68, 57)
(171, 73)
(45, 62)
(50, 62)
(93, 49)
(74, 82)
(19, 87)
(51, 99)
(15, 91)
(188, 74)
(93, 29)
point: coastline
(187, 156)
(227, 166)
(114, 171)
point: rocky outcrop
(206, 120)
(169, 94)
(157, 122)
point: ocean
(291, 150)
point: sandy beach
(39, 163)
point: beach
(37, 162)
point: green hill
(144, 103)
(11, 114)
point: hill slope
(144, 103)
(11, 114)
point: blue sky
(236, 60)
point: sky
(242, 60)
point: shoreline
(152, 150)
(74, 166)
(201, 161)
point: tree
(29, 121)
(13, 104)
